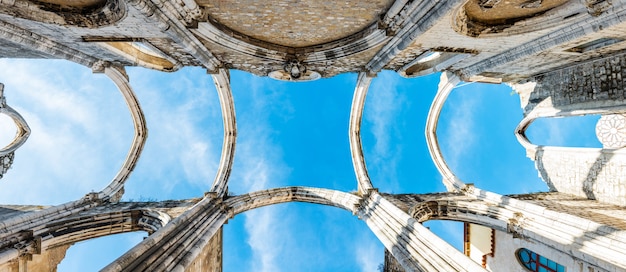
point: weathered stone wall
(595, 174)
(607, 214)
(505, 260)
(589, 85)
(210, 260)
(47, 261)
(313, 22)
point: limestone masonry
(564, 58)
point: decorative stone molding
(89, 14)
(294, 70)
(488, 18)
(597, 7)
(578, 24)
(515, 225)
(44, 45)
(414, 22)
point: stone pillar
(414, 246)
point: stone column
(414, 246)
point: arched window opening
(575, 131)
(82, 255)
(297, 242)
(535, 262)
(450, 231)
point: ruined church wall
(592, 173)
(590, 85)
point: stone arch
(85, 13)
(94, 225)
(356, 145)
(446, 84)
(23, 131)
(491, 18)
(224, 92)
(594, 167)
(328, 197)
(114, 190)
(178, 243)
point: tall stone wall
(47, 261)
(590, 85)
(210, 260)
(589, 173)
(607, 214)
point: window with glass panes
(535, 262)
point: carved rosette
(611, 131)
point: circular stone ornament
(611, 131)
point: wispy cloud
(70, 122)
(258, 166)
(456, 127)
(185, 132)
(368, 254)
(383, 105)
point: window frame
(539, 262)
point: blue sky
(288, 134)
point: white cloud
(258, 166)
(265, 238)
(456, 128)
(71, 121)
(185, 133)
(368, 254)
(382, 107)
